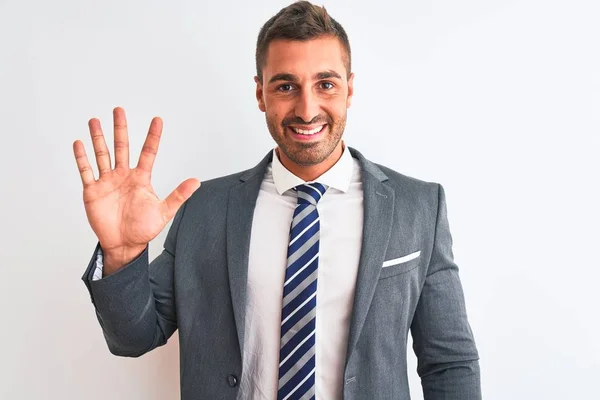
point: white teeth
(311, 132)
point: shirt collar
(337, 177)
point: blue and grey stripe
(298, 317)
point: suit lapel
(240, 211)
(378, 215)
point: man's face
(305, 94)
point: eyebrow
(327, 74)
(293, 78)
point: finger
(85, 169)
(179, 196)
(100, 149)
(121, 138)
(150, 148)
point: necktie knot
(310, 193)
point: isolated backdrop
(497, 100)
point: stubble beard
(307, 154)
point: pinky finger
(85, 170)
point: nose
(307, 105)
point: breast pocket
(400, 265)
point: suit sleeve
(135, 306)
(442, 338)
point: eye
(285, 88)
(327, 85)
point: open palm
(121, 205)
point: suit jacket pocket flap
(400, 265)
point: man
(297, 279)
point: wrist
(117, 258)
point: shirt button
(232, 380)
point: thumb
(179, 196)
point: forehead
(304, 57)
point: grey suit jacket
(197, 285)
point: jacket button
(232, 380)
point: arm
(134, 302)
(135, 305)
(442, 338)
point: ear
(259, 94)
(350, 90)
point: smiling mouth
(308, 132)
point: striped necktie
(298, 317)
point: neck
(311, 172)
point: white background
(497, 100)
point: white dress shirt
(341, 223)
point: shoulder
(409, 189)
(216, 189)
(417, 197)
(404, 186)
(208, 204)
(406, 183)
(223, 183)
(410, 194)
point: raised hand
(121, 206)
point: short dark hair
(299, 21)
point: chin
(308, 156)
